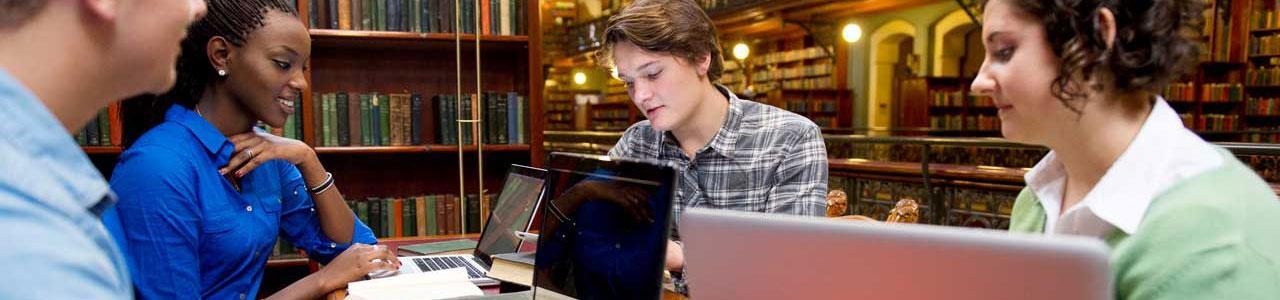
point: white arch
(941, 30)
(884, 54)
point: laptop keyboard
(427, 264)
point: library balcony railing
(969, 182)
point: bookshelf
(615, 112)
(944, 105)
(796, 74)
(420, 62)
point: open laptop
(520, 197)
(604, 228)
(739, 255)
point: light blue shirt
(51, 198)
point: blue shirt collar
(47, 163)
(214, 142)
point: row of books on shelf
(292, 127)
(611, 113)
(1263, 76)
(422, 215)
(1264, 45)
(1222, 92)
(497, 17)
(397, 119)
(790, 73)
(104, 130)
(1263, 107)
(824, 122)
(1210, 122)
(947, 98)
(792, 55)
(616, 125)
(559, 106)
(1264, 19)
(809, 83)
(806, 106)
(285, 249)
(962, 122)
(1273, 138)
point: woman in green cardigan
(1185, 219)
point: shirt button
(333, 245)
(242, 296)
(617, 246)
(313, 209)
(248, 208)
(295, 193)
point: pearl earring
(222, 72)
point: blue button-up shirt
(188, 233)
(50, 198)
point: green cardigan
(1213, 236)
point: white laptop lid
(739, 255)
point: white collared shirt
(1163, 154)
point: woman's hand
(356, 262)
(254, 148)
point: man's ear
(704, 64)
(219, 51)
(105, 10)
(1106, 23)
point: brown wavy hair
(1156, 42)
(15, 13)
(676, 27)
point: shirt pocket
(218, 221)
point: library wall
(859, 79)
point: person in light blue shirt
(203, 196)
(61, 61)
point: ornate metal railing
(969, 182)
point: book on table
(513, 267)
(460, 246)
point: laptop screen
(604, 228)
(516, 204)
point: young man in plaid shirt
(732, 153)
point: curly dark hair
(232, 20)
(1156, 42)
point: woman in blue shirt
(203, 196)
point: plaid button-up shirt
(763, 159)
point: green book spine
(384, 121)
(82, 138)
(388, 219)
(288, 126)
(432, 229)
(407, 225)
(362, 211)
(104, 127)
(333, 123)
(381, 19)
(366, 13)
(326, 119)
(341, 119)
(365, 131)
(417, 17)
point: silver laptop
(519, 199)
(739, 255)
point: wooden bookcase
(944, 105)
(796, 74)
(426, 63)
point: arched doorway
(891, 51)
(957, 46)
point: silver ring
(248, 153)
